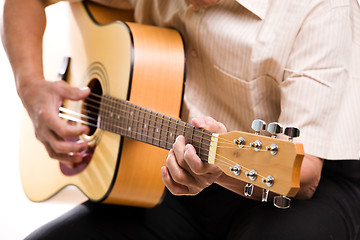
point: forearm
(22, 29)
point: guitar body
(129, 61)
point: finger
(61, 146)
(178, 174)
(172, 186)
(194, 162)
(73, 93)
(64, 130)
(179, 150)
(47, 119)
(209, 124)
(63, 157)
(204, 174)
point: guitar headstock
(266, 162)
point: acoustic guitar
(136, 76)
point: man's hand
(42, 100)
(185, 173)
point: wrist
(26, 82)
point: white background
(18, 215)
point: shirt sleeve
(320, 93)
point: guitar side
(121, 171)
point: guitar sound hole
(90, 109)
(91, 105)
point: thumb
(210, 124)
(74, 93)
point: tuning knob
(258, 125)
(292, 132)
(274, 128)
(248, 190)
(282, 202)
(265, 195)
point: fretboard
(129, 120)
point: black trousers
(216, 213)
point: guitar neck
(129, 120)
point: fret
(180, 128)
(206, 139)
(150, 127)
(146, 126)
(141, 124)
(108, 116)
(188, 133)
(135, 122)
(111, 116)
(105, 117)
(144, 132)
(156, 129)
(102, 123)
(196, 140)
(201, 148)
(132, 120)
(172, 132)
(119, 117)
(137, 127)
(176, 129)
(162, 132)
(184, 127)
(168, 133)
(126, 126)
(122, 123)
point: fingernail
(84, 88)
(171, 151)
(163, 171)
(178, 138)
(188, 148)
(200, 122)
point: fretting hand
(185, 173)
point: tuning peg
(282, 202)
(248, 190)
(274, 128)
(258, 125)
(292, 132)
(265, 195)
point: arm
(186, 174)
(22, 30)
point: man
(291, 62)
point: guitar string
(167, 131)
(157, 139)
(120, 102)
(217, 158)
(226, 163)
(229, 160)
(148, 119)
(137, 133)
(153, 138)
(194, 140)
